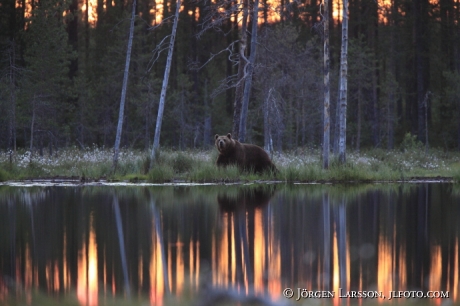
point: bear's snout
(221, 144)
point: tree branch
(194, 65)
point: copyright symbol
(288, 293)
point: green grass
(4, 175)
(302, 165)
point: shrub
(410, 143)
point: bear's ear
(217, 136)
(229, 136)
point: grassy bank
(301, 165)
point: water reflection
(87, 277)
(245, 250)
(99, 244)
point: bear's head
(224, 143)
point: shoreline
(94, 166)
(74, 181)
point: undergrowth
(199, 166)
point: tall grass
(4, 175)
(199, 166)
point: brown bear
(247, 157)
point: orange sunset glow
(87, 281)
(88, 10)
(91, 10)
(273, 10)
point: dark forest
(62, 71)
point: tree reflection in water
(226, 242)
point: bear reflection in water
(245, 198)
(240, 207)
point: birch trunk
(241, 75)
(248, 81)
(116, 149)
(326, 106)
(11, 142)
(32, 124)
(156, 140)
(343, 86)
(358, 120)
(268, 143)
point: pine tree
(46, 86)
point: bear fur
(247, 157)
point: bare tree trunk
(32, 128)
(207, 117)
(392, 68)
(11, 142)
(116, 149)
(358, 120)
(248, 80)
(343, 86)
(241, 73)
(268, 143)
(86, 34)
(335, 134)
(420, 11)
(425, 104)
(326, 105)
(156, 140)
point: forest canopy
(62, 71)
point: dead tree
(343, 86)
(250, 70)
(242, 62)
(156, 140)
(326, 104)
(116, 149)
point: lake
(260, 244)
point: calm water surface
(100, 245)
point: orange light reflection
(156, 269)
(455, 278)
(274, 266)
(180, 267)
(259, 253)
(385, 265)
(435, 271)
(87, 281)
(335, 270)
